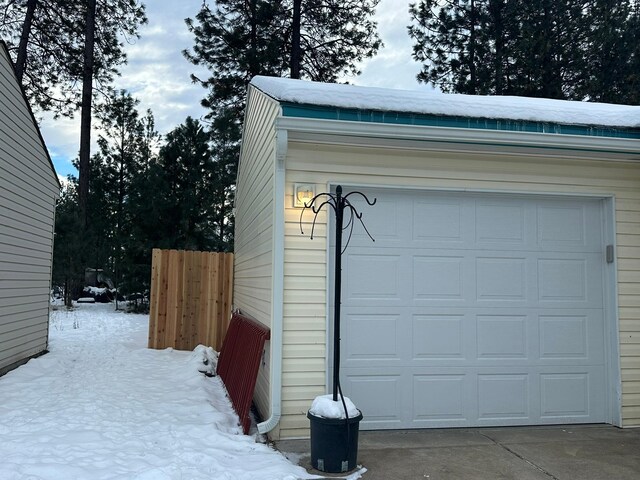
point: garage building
(503, 286)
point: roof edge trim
(322, 112)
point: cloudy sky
(158, 75)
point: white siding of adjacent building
(254, 232)
(305, 300)
(28, 189)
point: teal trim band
(403, 118)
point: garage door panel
(571, 225)
(503, 396)
(379, 396)
(562, 224)
(372, 337)
(567, 281)
(562, 280)
(365, 271)
(389, 218)
(476, 310)
(571, 338)
(564, 394)
(501, 279)
(501, 222)
(438, 277)
(448, 406)
(438, 337)
(575, 394)
(436, 221)
(502, 337)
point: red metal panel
(239, 361)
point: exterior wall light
(303, 193)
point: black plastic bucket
(334, 443)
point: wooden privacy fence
(191, 294)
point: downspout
(275, 383)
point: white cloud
(157, 73)
(62, 138)
(393, 66)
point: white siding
(28, 189)
(305, 311)
(253, 252)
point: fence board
(213, 295)
(191, 294)
(162, 298)
(155, 286)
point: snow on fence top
(448, 104)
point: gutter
(459, 139)
(277, 304)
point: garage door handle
(609, 253)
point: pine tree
(549, 51)
(46, 41)
(632, 77)
(610, 77)
(119, 145)
(225, 151)
(67, 244)
(143, 228)
(21, 59)
(237, 39)
(186, 181)
(105, 21)
(86, 110)
(567, 49)
(117, 166)
(64, 48)
(449, 41)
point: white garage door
(475, 310)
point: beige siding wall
(305, 312)
(28, 190)
(253, 283)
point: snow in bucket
(324, 406)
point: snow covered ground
(101, 405)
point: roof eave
(621, 149)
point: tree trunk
(472, 49)
(548, 87)
(222, 229)
(67, 293)
(85, 115)
(295, 40)
(21, 61)
(254, 62)
(496, 13)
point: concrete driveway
(582, 452)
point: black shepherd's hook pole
(339, 204)
(337, 292)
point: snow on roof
(448, 104)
